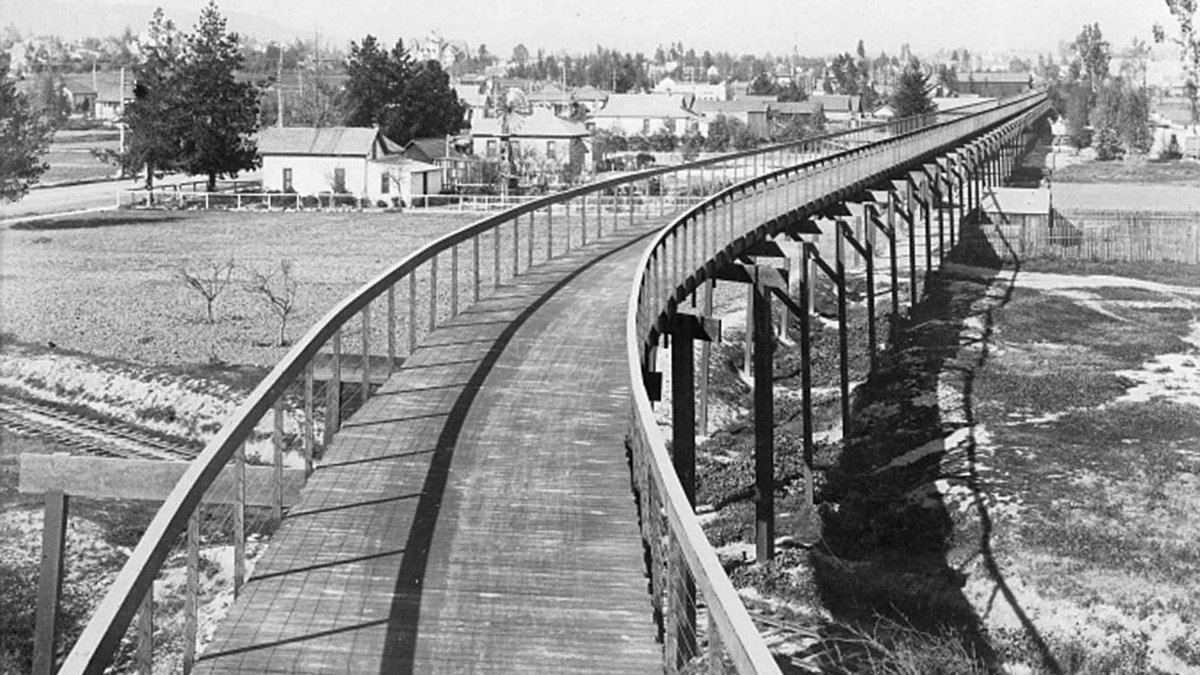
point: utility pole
(279, 90)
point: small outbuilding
(356, 161)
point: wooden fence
(1109, 236)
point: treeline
(1109, 113)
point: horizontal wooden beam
(696, 327)
(760, 275)
(145, 479)
(800, 227)
(765, 249)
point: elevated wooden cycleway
(475, 515)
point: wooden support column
(706, 304)
(764, 427)
(685, 328)
(54, 543)
(923, 197)
(762, 280)
(843, 335)
(866, 251)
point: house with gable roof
(553, 145)
(634, 114)
(359, 161)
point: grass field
(1141, 170)
(70, 155)
(1021, 486)
(107, 284)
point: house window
(646, 126)
(339, 179)
(492, 147)
(385, 182)
(287, 179)
(551, 150)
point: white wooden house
(544, 145)
(358, 161)
(634, 114)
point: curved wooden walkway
(476, 514)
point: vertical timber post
(806, 401)
(764, 426)
(54, 542)
(683, 456)
(843, 333)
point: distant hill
(73, 19)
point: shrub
(381, 204)
(310, 201)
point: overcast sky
(815, 27)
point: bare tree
(278, 291)
(210, 278)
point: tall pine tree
(24, 136)
(221, 112)
(911, 96)
(155, 116)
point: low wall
(1118, 236)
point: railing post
(412, 312)
(391, 319)
(433, 267)
(277, 461)
(529, 242)
(516, 246)
(191, 593)
(366, 353)
(550, 231)
(54, 542)
(583, 215)
(496, 258)
(454, 281)
(474, 268)
(239, 519)
(145, 633)
(333, 392)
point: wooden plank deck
(476, 514)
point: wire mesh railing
(201, 545)
(687, 580)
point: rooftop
(645, 106)
(325, 141)
(541, 123)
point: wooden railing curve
(100, 639)
(663, 280)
